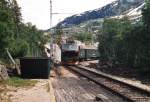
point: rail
(126, 91)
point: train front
(70, 53)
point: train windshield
(70, 47)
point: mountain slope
(112, 9)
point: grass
(18, 82)
(15, 82)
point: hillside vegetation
(19, 38)
(115, 8)
(126, 44)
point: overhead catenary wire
(51, 19)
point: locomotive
(70, 52)
(73, 51)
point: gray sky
(37, 11)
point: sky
(38, 11)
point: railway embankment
(123, 74)
(125, 90)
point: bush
(19, 48)
(125, 43)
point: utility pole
(52, 36)
(51, 44)
(50, 13)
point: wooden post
(13, 61)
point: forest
(19, 38)
(124, 43)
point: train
(86, 54)
(72, 53)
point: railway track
(128, 92)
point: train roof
(88, 47)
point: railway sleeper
(101, 97)
(125, 93)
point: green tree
(58, 35)
(20, 39)
(146, 14)
(83, 37)
(127, 43)
(6, 25)
(112, 42)
(144, 38)
(16, 15)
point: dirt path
(41, 92)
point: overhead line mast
(51, 44)
(51, 17)
(50, 13)
(55, 13)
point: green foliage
(146, 13)
(19, 48)
(18, 82)
(83, 37)
(33, 37)
(112, 39)
(58, 35)
(144, 41)
(122, 42)
(5, 26)
(20, 39)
